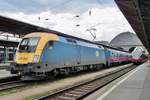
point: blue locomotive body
(69, 52)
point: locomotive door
(78, 54)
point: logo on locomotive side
(23, 58)
(97, 53)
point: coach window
(112, 54)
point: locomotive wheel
(55, 72)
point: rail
(81, 90)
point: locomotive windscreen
(28, 44)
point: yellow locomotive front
(26, 51)
(29, 51)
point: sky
(73, 17)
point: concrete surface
(133, 86)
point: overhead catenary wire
(92, 30)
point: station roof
(17, 27)
(126, 39)
(137, 12)
(8, 43)
(21, 28)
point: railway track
(11, 85)
(81, 90)
(9, 79)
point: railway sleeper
(72, 95)
(75, 92)
(64, 98)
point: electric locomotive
(41, 55)
(138, 55)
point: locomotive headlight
(35, 58)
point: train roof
(81, 39)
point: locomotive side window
(100, 46)
(71, 40)
(50, 43)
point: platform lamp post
(6, 51)
(14, 48)
(5, 54)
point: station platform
(3, 71)
(4, 65)
(133, 86)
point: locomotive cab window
(28, 44)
